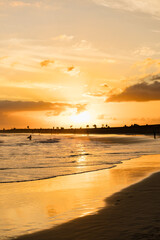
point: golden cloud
(151, 7)
(29, 106)
(140, 92)
(45, 63)
(70, 69)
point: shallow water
(48, 156)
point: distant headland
(133, 129)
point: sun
(82, 117)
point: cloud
(150, 61)
(45, 63)
(25, 3)
(107, 60)
(140, 92)
(150, 78)
(83, 45)
(105, 85)
(155, 77)
(29, 52)
(18, 106)
(145, 51)
(29, 106)
(72, 71)
(64, 37)
(20, 3)
(2, 58)
(147, 66)
(69, 69)
(63, 107)
(151, 7)
(102, 92)
(80, 107)
(95, 94)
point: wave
(51, 140)
(78, 155)
(22, 144)
(61, 175)
(69, 156)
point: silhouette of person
(30, 137)
(154, 134)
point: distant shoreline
(133, 129)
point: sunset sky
(78, 62)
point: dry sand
(133, 213)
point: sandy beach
(131, 213)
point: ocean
(41, 181)
(48, 156)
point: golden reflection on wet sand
(32, 206)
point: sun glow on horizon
(83, 117)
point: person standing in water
(30, 137)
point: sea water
(48, 156)
(42, 182)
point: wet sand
(132, 213)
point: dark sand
(133, 213)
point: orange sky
(74, 62)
